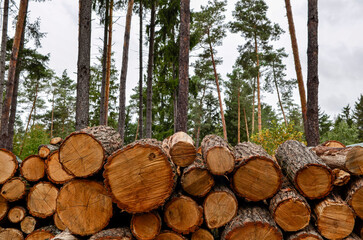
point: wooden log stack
(88, 186)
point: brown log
(8, 164)
(83, 153)
(11, 234)
(252, 222)
(40, 235)
(114, 233)
(33, 168)
(182, 214)
(65, 235)
(14, 189)
(202, 234)
(46, 149)
(55, 171)
(28, 224)
(140, 176)
(355, 196)
(308, 233)
(333, 143)
(168, 235)
(58, 223)
(353, 236)
(4, 206)
(41, 200)
(289, 209)
(220, 206)
(145, 226)
(181, 149)
(56, 140)
(310, 175)
(196, 179)
(16, 214)
(252, 160)
(334, 218)
(217, 155)
(84, 206)
(341, 177)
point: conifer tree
(358, 116)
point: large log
(11, 234)
(28, 224)
(202, 234)
(289, 209)
(55, 171)
(308, 233)
(14, 189)
(145, 226)
(4, 206)
(181, 149)
(83, 153)
(220, 206)
(355, 196)
(334, 218)
(140, 176)
(217, 155)
(8, 164)
(84, 206)
(310, 175)
(16, 214)
(33, 168)
(46, 149)
(252, 222)
(256, 176)
(114, 233)
(168, 235)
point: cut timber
(45, 150)
(202, 234)
(56, 140)
(355, 196)
(3, 207)
(252, 223)
(28, 224)
(217, 154)
(308, 233)
(146, 226)
(334, 218)
(40, 235)
(33, 168)
(58, 223)
(310, 175)
(333, 143)
(54, 169)
(341, 177)
(220, 206)
(140, 176)
(83, 153)
(41, 200)
(8, 164)
(256, 176)
(14, 189)
(11, 234)
(114, 233)
(182, 214)
(289, 209)
(168, 235)
(84, 206)
(181, 149)
(16, 214)
(349, 159)
(196, 179)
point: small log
(310, 175)
(114, 233)
(355, 196)
(45, 149)
(84, 206)
(11, 234)
(196, 179)
(33, 168)
(289, 209)
(14, 189)
(202, 234)
(252, 161)
(181, 149)
(217, 155)
(58, 223)
(55, 172)
(252, 222)
(169, 235)
(41, 200)
(145, 226)
(28, 224)
(333, 143)
(4, 206)
(308, 233)
(8, 164)
(182, 214)
(40, 235)
(140, 176)
(56, 140)
(341, 177)
(220, 206)
(334, 218)
(82, 153)
(16, 214)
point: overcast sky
(340, 44)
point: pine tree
(358, 116)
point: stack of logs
(88, 186)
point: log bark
(182, 214)
(334, 218)
(84, 206)
(58, 223)
(140, 176)
(220, 206)
(32, 168)
(11, 234)
(56, 140)
(83, 153)
(16, 214)
(202, 234)
(65, 235)
(46, 149)
(341, 177)
(308, 233)
(28, 224)
(146, 226)
(252, 223)
(355, 196)
(8, 164)
(55, 171)
(217, 155)
(181, 149)
(41, 201)
(352, 236)
(40, 235)
(333, 144)
(168, 235)
(251, 161)
(114, 233)
(310, 175)
(4, 206)
(14, 189)
(289, 209)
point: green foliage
(358, 116)
(343, 133)
(325, 123)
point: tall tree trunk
(52, 118)
(149, 89)
(108, 66)
(183, 88)
(4, 40)
(104, 68)
(218, 90)
(200, 114)
(83, 65)
(239, 117)
(125, 59)
(11, 73)
(141, 113)
(253, 106)
(248, 135)
(259, 120)
(295, 51)
(312, 134)
(278, 93)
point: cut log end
(113, 234)
(354, 160)
(11, 234)
(308, 233)
(14, 189)
(28, 224)
(16, 214)
(58, 223)
(202, 234)
(333, 144)
(8, 164)
(56, 140)
(54, 169)
(42, 200)
(355, 196)
(220, 160)
(40, 235)
(146, 226)
(3, 207)
(33, 168)
(183, 154)
(255, 231)
(197, 182)
(292, 214)
(169, 236)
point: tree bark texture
(141, 111)
(4, 39)
(307, 233)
